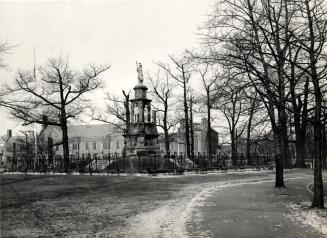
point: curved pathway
(254, 210)
(239, 208)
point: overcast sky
(118, 33)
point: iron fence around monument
(114, 163)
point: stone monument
(141, 137)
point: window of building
(57, 147)
(75, 146)
(94, 145)
(106, 145)
(117, 145)
(87, 146)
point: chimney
(9, 133)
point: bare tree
(254, 107)
(191, 103)
(55, 97)
(161, 88)
(312, 38)
(264, 39)
(230, 101)
(255, 43)
(5, 48)
(116, 113)
(182, 75)
(209, 77)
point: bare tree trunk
(285, 153)
(318, 189)
(166, 130)
(127, 110)
(127, 118)
(64, 128)
(324, 148)
(208, 122)
(187, 128)
(65, 146)
(248, 134)
(300, 148)
(318, 197)
(191, 128)
(300, 119)
(279, 181)
(233, 147)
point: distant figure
(139, 72)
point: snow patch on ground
(315, 218)
(166, 221)
(171, 219)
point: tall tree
(312, 38)
(191, 127)
(253, 103)
(209, 76)
(230, 101)
(182, 75)
(255, 41)
(59, 93)
(161, 88)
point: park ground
(233, 204)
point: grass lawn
(75, 205)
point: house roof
(98, 130)
(16, 139)
(90, 130)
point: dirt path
(172, 218)
(227, 209)
(169, 219)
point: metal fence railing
(146, 163)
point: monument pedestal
(141, 138)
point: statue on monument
(139, 72)
(146, 114)
(136, 113)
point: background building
(87, 139)
(200, 142)
(15, 149)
